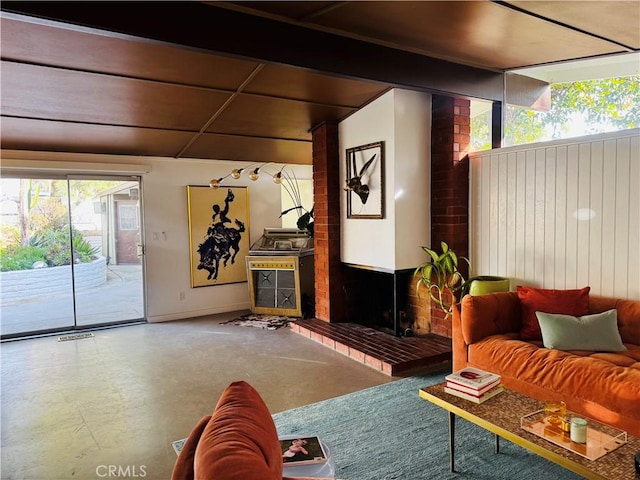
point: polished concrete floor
(80, 409)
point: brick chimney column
(450, 140)
(330, 304)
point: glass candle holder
(578, 430)
(555, 411)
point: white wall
(402, 119)
(562, 214)
(305, 187)
(165, 210)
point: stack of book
(473, 384)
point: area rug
(389, 432)
(268, 322)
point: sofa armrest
(491, 314)
(183, 469)
(459, 354)
(478, 317)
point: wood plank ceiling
(248, 81)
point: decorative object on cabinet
(218, 234)
(365, 181)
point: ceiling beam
(209, 28)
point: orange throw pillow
(566, 302)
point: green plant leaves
(441, 277)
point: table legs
(452, 434)
(452, 431)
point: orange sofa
(604, 386)
(238, 441)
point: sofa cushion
(594, 385)
(532, 300)
(597, 332)
(628, 315)
(240, 442)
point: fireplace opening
(380, 299)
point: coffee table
(501, 415)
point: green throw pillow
(597, 332)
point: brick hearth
(384, 352)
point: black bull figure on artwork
(220, 240)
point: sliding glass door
(70, 254)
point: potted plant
(482, 284)
(441, 277)
(305, 220)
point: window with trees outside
(577, 108)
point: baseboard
(244, 307)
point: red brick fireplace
(449, 212)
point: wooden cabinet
(281, 285)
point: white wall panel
(402, 119)
(549, 215)
(560, 214)
(520, 222)
(510, 224)
(560, 223)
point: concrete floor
(74, 409)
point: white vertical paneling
(621, 248)
(521, 202)
(494, 219)
(560, 265)
(549, 216)
(538, 214)
(511, 223)
(475, 206)
(485, 237)
(634, 218)
(501, 252)
(582, 226)
(595, 216)
(529, 215)
(608, 216)
(563, 214)
(571, 247)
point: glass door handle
(140, 249)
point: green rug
(389, 432)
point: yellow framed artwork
(218, 234)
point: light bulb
(277, 178)
(215, 182)
(237, 172)
(254, 174)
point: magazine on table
(471, 390)
(473, 377)
(302, 451)
(472, 398)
